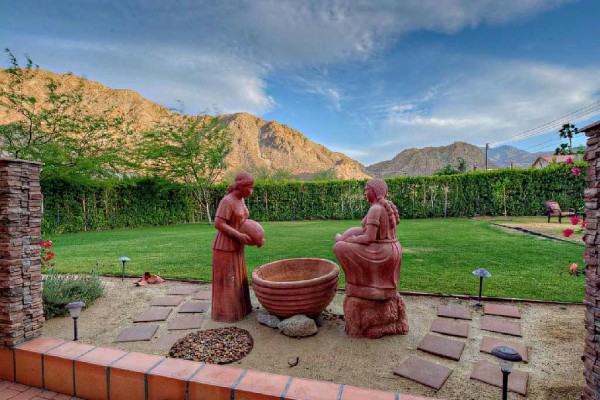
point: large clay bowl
(296, 286)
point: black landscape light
(507, 357)
(75, 311)
(123, 260)
(481, 273)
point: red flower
(574, 220)
(568, 232)
(573, 268)
(584, 223)
(569, 161)
(575, 171)
(49, 256)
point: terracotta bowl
(296, 286)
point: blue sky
(367, 78)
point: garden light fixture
(507, 357)
(75, 310)
(481, 273)
(123, 260)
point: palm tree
(567, 131)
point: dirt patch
(553, 333)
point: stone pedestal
(21, 314)
(375, 318)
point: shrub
(60, 290)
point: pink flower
(574, 220)
(568, 232)
(569, 161)
(574, 268)
(575, 171)
(584, 223)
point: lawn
(439, 255)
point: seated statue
(370, 257)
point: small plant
(59, 290)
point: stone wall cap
(595, 125)
(13, 160)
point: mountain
(505, 156)
(422, 162)
(257, 144)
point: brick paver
(194, 307)
(137, 333)
(502, 310)
(17, 391)
(167, 301)
(183, 290)
(501, 326)
(488, 343)
(490, 373)
(450, 327)
(441, 346)
(459, 312)
(203, 295)
(153, 314)
(425, 372)
(187, 322)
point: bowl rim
(334, 273)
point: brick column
(21, 314)
(591, 353)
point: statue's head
(379, 187)
(243, 182)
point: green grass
(439, 255)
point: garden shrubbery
(60, 290)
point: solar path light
(507, 356)
(481, 273)
(75, 310)
(123, 260)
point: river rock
(268, 319)
(298, 326)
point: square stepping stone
(203, 295)
(183, 290)
(489, 372)
(424, 372)
(488, 343)
(194, 307)
(153, 314)
(167, 341)
(502, 310)
(167, 301)
(459, 312)
(137, 333)
(450, 327)
(501, 326)
(441, 346)
(187, 322)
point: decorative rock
(268, 319)
(298, 326)
(319, 319)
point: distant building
(544, 161)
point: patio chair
(553, 210)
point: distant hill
(505, 156)
(422, 162)
(266, 145)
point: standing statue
(371, 257)
(230, 293)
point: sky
(368, 78)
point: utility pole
(487, 146)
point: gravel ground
(553, 333)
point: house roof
(558, 159)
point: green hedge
(71, 207)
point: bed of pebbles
(214, 346)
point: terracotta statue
(230, 294)
(371, 257)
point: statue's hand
(338, 237)
(244, 239)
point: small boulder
(268, 319)
(298, 326)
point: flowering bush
(575, 171)
(46, 253)
(568, 232)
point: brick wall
(21, 314)
(591, 352)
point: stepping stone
(153, 314)
(490, 373)
(194, 307)
(167, 301)
(203, 295)
(167, 341)
(441, 346)
(191, 322)
(502, 310)
(424, 372)
(183, 290)
(459, 312)
(488, 343)
(137, 333)
(450, 327)
(501, 326)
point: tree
(567, 131)
(58, 128)
(190, 149)
(462, 165)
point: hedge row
(71, 207)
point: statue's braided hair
(241, 179)
(380, 189)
